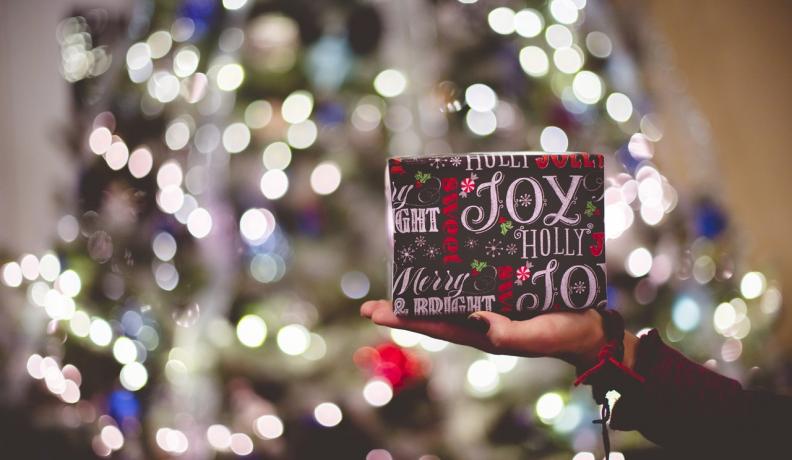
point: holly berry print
(515, 233)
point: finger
(369, 306)
(383, 315)
(525, 337)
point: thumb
(496, 326)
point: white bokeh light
(12, 274)
(269, 426)
(528, 23)
(69, 283)
(258, 114)
(501, 20)
(170, 173)
(752, 285)
(170, 199)
(619, 107)
(177, 135)
(534, 61)
(164, 246)
(558, 36)
(255, 224)
(639, 262)
(219, 437)
(124, 350)
(564, 11)
(236, 137)
(377, 392)
(297, 106)
(294, 339)
(251, 331)
(140, 162)
(199, 223)
(390, 83)
(241, 444)
(274, 184)
(117, 155)
(277, 155)
(29, 264)
(325, 178)
(112, 437)
(100, 332)
(553, 139)
(549, 406)
(302, 135)
(133, 376)
(328, 414)
(587, 87)
(99, 140)
(483, 377)
(480, 97)
(481, 123)
(230, 77)
(568, 59)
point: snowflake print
(407, 255)
(493, 248)
(432, 252)
(437, 162)
(578, 288)
(420, 241)
(455, 161)
(471, 243)
(524, 200)
(511, 249)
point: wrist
(595, 339)
(592, 342)
(630, 348)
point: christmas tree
(202, 300)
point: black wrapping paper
(515, 233)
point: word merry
(415, 220)
(432, 306)
(488, 218)
(423, 279)
(556, 242)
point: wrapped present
(518, 233)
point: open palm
(574, 337)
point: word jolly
(477, 219)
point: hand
(575, 337)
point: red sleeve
(686, 407)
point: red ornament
(400, 367)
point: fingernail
(478, 323)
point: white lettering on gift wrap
(432, 306)
(478, 224)
(416, 220)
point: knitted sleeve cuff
(678, 396)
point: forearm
(688, 408)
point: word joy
(477, 219)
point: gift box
(518, 233)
